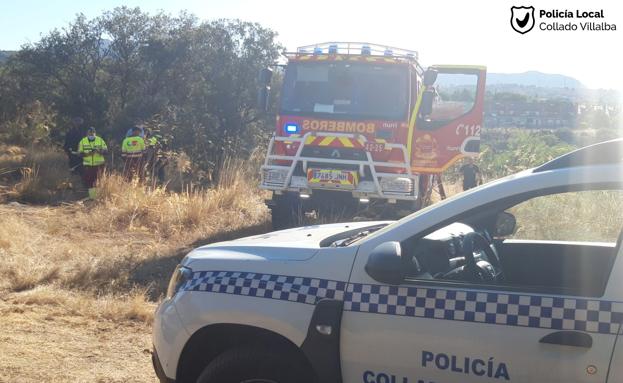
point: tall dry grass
(38, 174)
(595, 216)
(121, 247)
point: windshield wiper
(355, 237)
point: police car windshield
(346, 89)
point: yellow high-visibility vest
(90, 156)
(133, 146)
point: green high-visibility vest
(133, 146)
(88, 149)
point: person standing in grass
(471, 174)
(132, 151)
(92, 149)
(72, 140)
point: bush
(523, 150)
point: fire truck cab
(364, 126)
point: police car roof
(603, 153)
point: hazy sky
(461, 32)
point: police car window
(585, 216)
(563, 243)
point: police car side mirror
(385, 264)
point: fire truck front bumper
(386, 186)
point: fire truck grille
(334, 153)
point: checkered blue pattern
(487, 307)
(287, 288)
(556, 313)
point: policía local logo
(522, 19)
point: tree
(195, 80)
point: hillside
(527, 79)
(534, 78)
(4, 55)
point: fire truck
(365, 127)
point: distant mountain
(534, 78)
(4, 55)
(530, 78)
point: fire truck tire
(286, 212)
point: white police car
(518, 280)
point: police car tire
(254, 363)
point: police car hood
(296, 244)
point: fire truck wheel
(287, 212)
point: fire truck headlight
(291, 128)
(396, 185)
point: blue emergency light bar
(291, 128)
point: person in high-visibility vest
(132, 151)
(92, 149)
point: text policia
(578, 20)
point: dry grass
(102, 264)
(35, 175)
(593, 216)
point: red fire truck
(365, 126)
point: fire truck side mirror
(426, 105)
(263, 99)
(430, 76)
(266, 74)
(263, 93)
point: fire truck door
(448, 117)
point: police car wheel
(254, 364)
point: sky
(442, 31)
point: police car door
(421, 330)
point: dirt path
(77, 300)
(41, 343)
(52, 333)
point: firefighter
(132, 151)
(92, 149)
(471, 174)
(72, 140)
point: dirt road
(47, 343)
(79, 283)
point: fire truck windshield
(350, 90)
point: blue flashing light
(291, 128)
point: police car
(517, 280)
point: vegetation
(80, 279)
(510, 152)
(195, 81)
(86, 274)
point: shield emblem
(522, 19)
